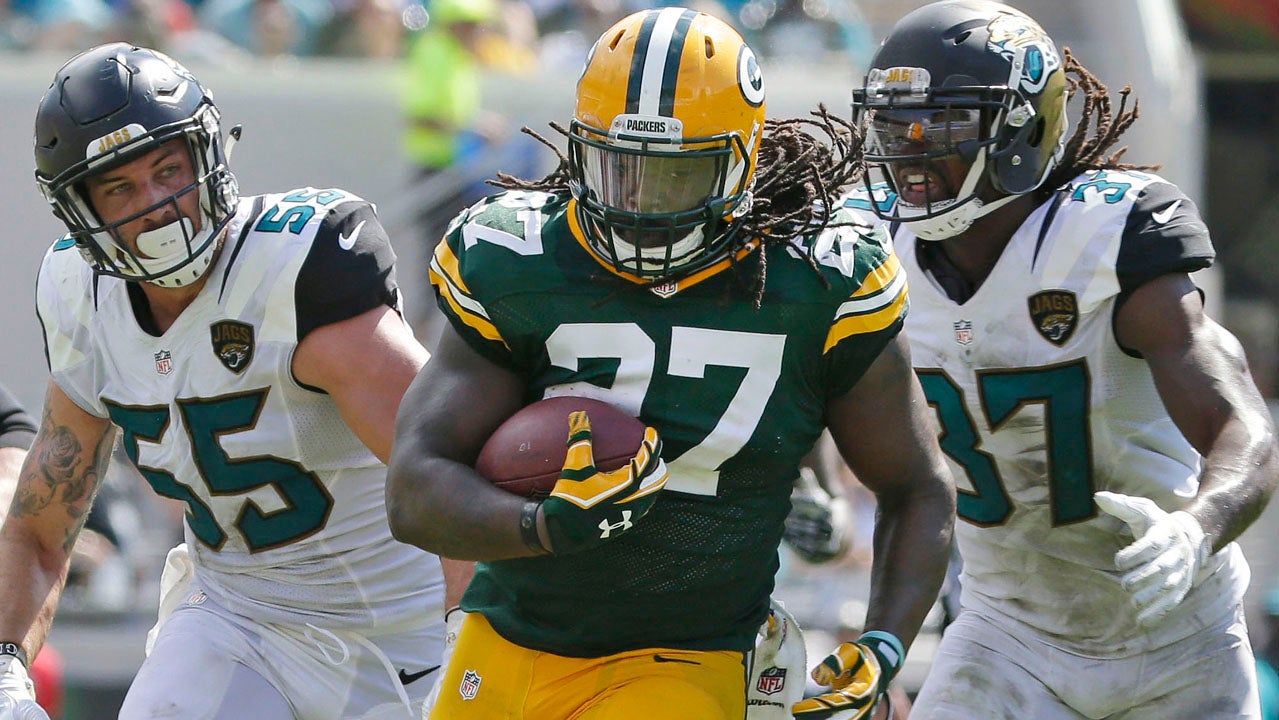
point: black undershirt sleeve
(349, 271)
(1164, 234)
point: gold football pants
(490, 678)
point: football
(525, 454)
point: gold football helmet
(663, 143)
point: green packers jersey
(738, 395)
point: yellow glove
(588, 507)
(857, 674)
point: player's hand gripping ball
(526, 454)
(597, 484)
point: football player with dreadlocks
(250, 355)
(678, 264)
(1107, 439)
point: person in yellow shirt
(446, 123)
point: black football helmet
(971, 82)
(106, 107)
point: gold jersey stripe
(867, 323)
(880, 277)
(859, 304)
(445, 275)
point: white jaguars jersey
(1039, 407)
(286, 514)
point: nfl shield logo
(164, 362)
(963, 331)
(470, 685)
(665, 290)
(771, 680)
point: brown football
(525, 454)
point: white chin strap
(656, 257)
(955, 221)
(165, 247)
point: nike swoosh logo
(663, 658)
(346, 242)
(406, 678)
(1165, 215)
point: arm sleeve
(1164, 233)
(17, 428)
(349, 270)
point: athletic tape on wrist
(888, 648)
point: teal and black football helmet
(971, 84)
(106, 107)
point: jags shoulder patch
(1055, 314)
(233, 344)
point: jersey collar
(663, 288)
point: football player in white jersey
(1107, 439)
(250, 355)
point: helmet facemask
(934, 151)
(658, 206)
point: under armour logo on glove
(621, 527)
(585, 501)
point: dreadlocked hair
(1099, 129)
(803, 166)
(556, 181)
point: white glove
(11, 709)
(17, 692)
(819, 525)
(1160, 566)
(452, 626)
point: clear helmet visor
(902, 131)
(647, 183)
(927, 154)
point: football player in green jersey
(635, 273)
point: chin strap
(957, 221)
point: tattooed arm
(58, 481)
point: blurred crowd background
(520, 33)
(413, 103)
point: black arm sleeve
(349, 271)
(17, 428)
(1164, 234)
